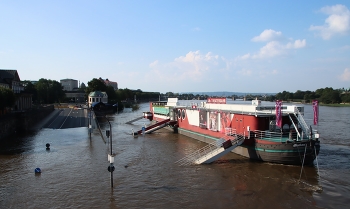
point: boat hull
(282, 153)
(294, 144)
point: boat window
(183, 114)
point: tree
(49, 91)
(112, 95)
(82, 87)
(30, 88)
(329, 95)
(7, 98)
(95, 85)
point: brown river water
(74, 171)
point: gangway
(139, 118)
(155, 127)
(214, 150)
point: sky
(180, 46)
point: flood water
(74, 171)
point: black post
(111, 164)
(90, 122)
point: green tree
(7, 98)
(112, 95)
(29, 87)
(329, 95)
(96, 85)
(49, 91)
(345, 98)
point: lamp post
(111, 155)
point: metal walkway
(214, 150)
(154, 127)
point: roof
(7, 76)
(97, 104)
(96, 94)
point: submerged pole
(111, 156)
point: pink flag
(279, 113)
(315, 108)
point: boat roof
(256, 108)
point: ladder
(302, 122)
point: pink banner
(315, 108)
(279, 113)
(221, 100)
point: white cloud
(346, 75)
(245, 72)
(267, 35)
(273, 49)
(196, 29)
(297, 44)
(194, 66)
(338, 21)
(153, 64)
(275, 45)
(244, 57)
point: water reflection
(74, 173)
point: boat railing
(269, 135)
(279, 136)
(268, 110)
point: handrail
(268, 135)
(98, 125)
(290, 118)
(211, 147)
(303, 123)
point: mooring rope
(302, 166)
(318, 171)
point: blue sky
(180, 46)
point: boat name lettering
(216, 100)
(299, 145)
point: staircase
(214, 150)
(130, 122)
(154, 127)
(302, 123)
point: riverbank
(24, 121)
(336, 105)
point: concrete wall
(21, 122)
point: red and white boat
(272, 133)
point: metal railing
(211, 147)
(302, 122)
(270, 136)
(189, 159)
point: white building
(69, 84)
(97, 96)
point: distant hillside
(226, 93)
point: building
(97, 96)
(110, 83)
(69, 84)
(75, 96)
(10, 79)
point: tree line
(326, 95)
(47, 91)
(121, 95)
